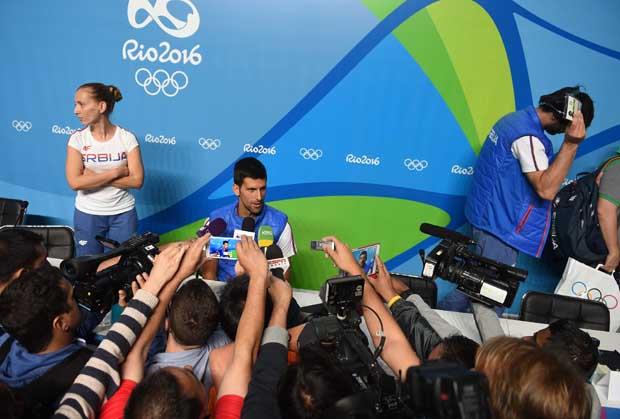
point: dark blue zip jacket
(502, 201)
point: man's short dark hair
(310, 388)
(554, 102)
(28, 307)
(460, 349)
(193, 313)
(160, 396)
(575, 344)
(19, 249)
(249, 167)
(232, 302)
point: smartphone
(571, 105)
(321, 244)
(365, 257)
(222, 248)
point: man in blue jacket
(250, 187)
(517, 176)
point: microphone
(247, 228)
(215, 227)
(265, 236)
(278, 264)
(444, 233)
(248, 224)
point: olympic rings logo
(161, 81)
(415, 164)
(22, 126)
(310, 153)
(209, 143)
(580, 289)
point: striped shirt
(100, 377)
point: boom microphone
(444, 233)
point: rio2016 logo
(464, 171)
(365, 160)
(179, 29)
(155, 81)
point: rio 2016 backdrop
(369, 114)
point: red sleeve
(114, 408)
(228, 407)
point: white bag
(583, 281)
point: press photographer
(340, 375)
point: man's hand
(611, 262)
(165, 266)
(342, 256)
(280, 292)
(251, 258)
(194, 257)
(383, 281)
(576, 131)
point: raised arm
(271, 363)
(397, 352)
(133, 367)
(249, 331)
(99, 378)
(547, 182)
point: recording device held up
(485, 280)
(571, 105)
(434, 390)
(321, 244)
(95, 291)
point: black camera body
(485, 280)
(95, 291)
(433, 390)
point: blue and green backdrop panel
(369, 114)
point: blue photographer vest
(269, 217)
(502, 201)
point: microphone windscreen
(274, 252)
(248, 224)
(278, 273)
(217, 227)
(265, 236)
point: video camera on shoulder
(95, 291)
(485, 280)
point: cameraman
(22, 251)
(317, 387)
(429, 334)
(517, 176)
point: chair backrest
(59, 240)
(545, 308)
(423, 287)
(12, 211)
